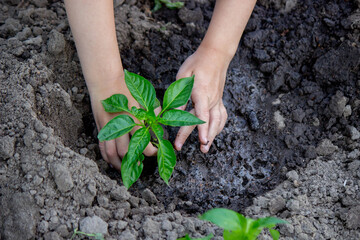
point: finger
(157, 110)
(183, 107)
(102, 151)
(122, 145)
(112, 154)
(215, 120)
(183, 134)
(182, 73)
(150, 150)
(202, 112)
(224, 116)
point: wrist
(103, 86)
(222, 56)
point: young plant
(238, 227)
(177, 94)
(97, 236)
(168, 4)
(187, 237)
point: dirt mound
(292, 95)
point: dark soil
(306, 55)
(290, 147)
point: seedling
(168, 4)
(97, 236)
(187, 237)
(238, 227)
(177, 94)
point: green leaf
(116, 103)
(131, 170)
(156, 103)
(275, 234)
(139, 113)
(157, 6)
(166, 159)
(268, 222)
(138, 142)
(172, 5)
(178, 93)
(177, 117)
(228, 235)
(150, 114)
(205, 238)
(224, 218)
(99, 236)
(116, 127)
(187, 237)
(141, 89)
(158, 130)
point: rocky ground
(290, 147)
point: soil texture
(290, 148)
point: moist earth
(290, 147)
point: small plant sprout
(168, 3)
(238, 227)
(187, 237)
(97, 236)
(177, 94)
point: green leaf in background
(205, 238)
(187, 237)
(166, 159)
(178, 93)
(172, 5)
(157, 5)
(268, 222)
(116, 127)
(156, 103)
(141, 89)
(177, 117)
(131, 170)
(116, 103)
(229, 235)
(99, 236)
(224, 218)
(138, 142)
(139, 113)
(275, 234)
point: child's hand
(209, 64)
(209, 67)
(112, 151)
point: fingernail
(178, 146)
(205, 148)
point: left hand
(209, 67)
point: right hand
(114, 150)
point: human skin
(93, 27)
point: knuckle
(204, 113)
(150, 152)
(111, 152)
(216, 120)
(121, 152)
(224, 112)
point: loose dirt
(290, 147)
